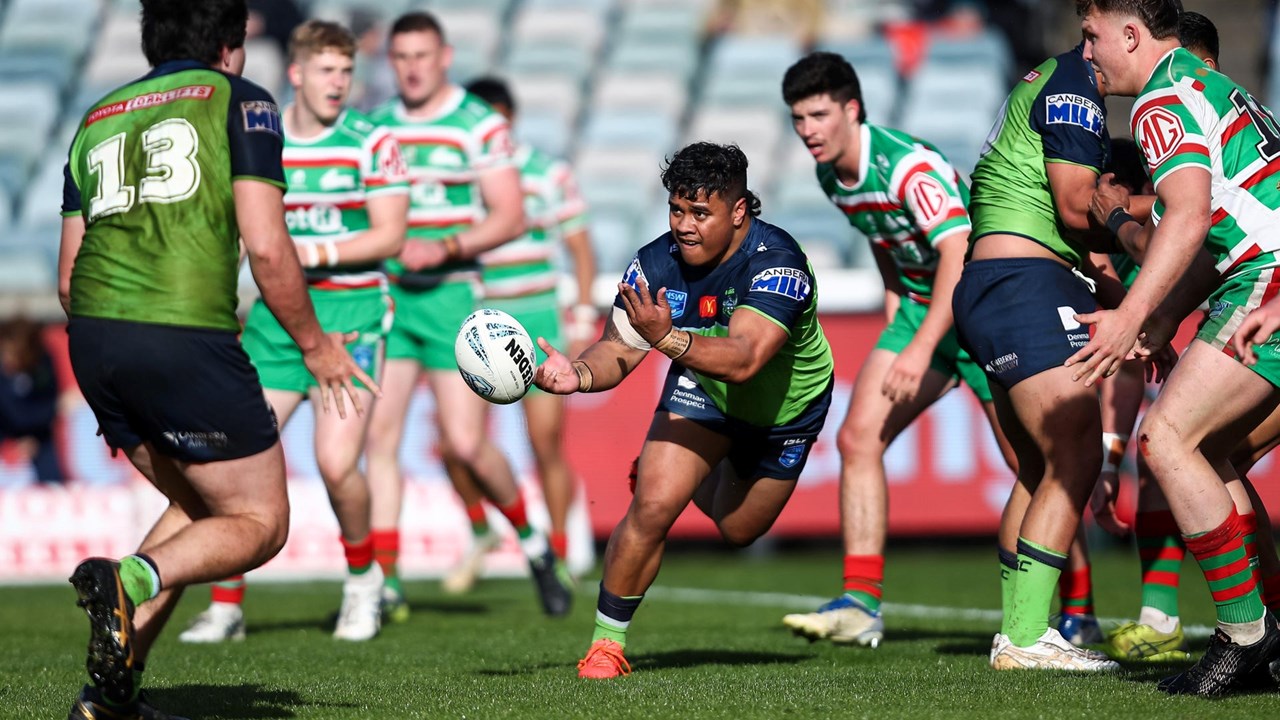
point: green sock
(605, 630)
(393, 582)
(140, 579)
(1008, 573)
(613, 615)
(1034, 588)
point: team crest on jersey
(929, 199)
(260, 116)
(1160, 132)
(730, 302)
(1072, 109)
(677, 299)
(446, 157)
(785, 281)
(334, 179)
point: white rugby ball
(495, 356)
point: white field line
(792, 601)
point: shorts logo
(1219, 307)
(1071, 109)
(927, 198)
(707, 306)
(1068, 317)
(362, 354)
(192, 440)
(1159, 133)
(686, 382)
(1002, 364)
(677, 300)
(791, 454)
(260, 116)
(785, 281)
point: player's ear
(739, 213)
(1132, 37)
(852, 110)
(295, 74)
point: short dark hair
(823, 73)
(712, 169)
(1159, 16)
(1126, 163)
(492, 90)
(1196, 31)
(184, 30)
(417, 21)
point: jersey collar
(864, 160)
(322, 135)
(1159, 64)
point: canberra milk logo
(1071, 109)
(1002, 364)
(785, 281)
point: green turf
(492, 655)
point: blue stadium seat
(676, 58)
(613, 237)
(544, 130)
(988, 47)
(621, 90)
(26, 267)
(568, 60)
(653, 131)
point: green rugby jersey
(1053, 115)
(331, 178)
(151, 171)
(554, 208)
(1188, 116)
(446, 154)
(908, 199)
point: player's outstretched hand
(1107, 197)
(1114, 338)
(1256, 329)
(420, 255)
(649, 318)
(556, 374)
(902, 381)
(1103, 504)
(333, 369)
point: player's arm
(893, 289)
(572, 219)
(68, 248)
(1072, 186)
(601, 366)
(1110, 291)
(388, 219)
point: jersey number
(1263, 122)
(172, 172)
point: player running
(1207, 144)
(911, 204)
(165, 176)
(465, 200)
(520, 278)
(345, 209)
(731, 300)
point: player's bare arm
(504, 222)
(902, 381)
(585, 315)
(893, 290)
(275, 266)
(601, 366)
(68, 248)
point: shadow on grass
(674, 659)
(328, 622)
(245, 702)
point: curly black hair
(1197, 31)
(823, 73)
(710, 168)
(183, 30)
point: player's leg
(678, 454)
(1172, 438)
(544, 416)
(483, 538)
(382, 468)
(1262, 440)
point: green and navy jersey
(553, 209)
(1188, 116)
(331, 177)
(770, 275)
(908, 199)
(151, 171)
(1054, 114)
(446, 154)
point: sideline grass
(492, 655)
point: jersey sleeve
(71, 201)
(781, 287)
(570, 207)
(928, 187)
(254, 135)
(1067, 114)
(386, 171)
(1168, 134)
(491, 142)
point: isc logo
(521, 360)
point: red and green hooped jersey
(151, 171)
(331, 177)
(907, 199)
(1188, 116)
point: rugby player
(904, 196)
(731, 300)
(165, 176)
(1207, 144)
(345, 207)
(465, 199)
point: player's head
(419, 56)
(708, 200)
(1126, 163)
(497, 93)
(1124, 39)
(1198, 34)
(210, 31)
(321, 58)
(826, 104)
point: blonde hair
(316, 36)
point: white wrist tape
(628, 333)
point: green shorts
(278, 359)
(540, 316)
(1228, 306)
(427, 323)
(948, 358)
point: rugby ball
(495, 356)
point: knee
(463, 450)
(859, 438)
(649, 520)
(275, 532)
(1157, 441)
(739, 537)
(336, 469)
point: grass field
(707, 643)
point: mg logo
(1159, 133)
(928, 197)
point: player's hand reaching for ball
(333, 369)
(556, 374)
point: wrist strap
(1113, 446)
(1117, 219)
(452, 248)
(675, 343)
(585, 376)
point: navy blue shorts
(191, 393)
(1014, 316)
(755, 452)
